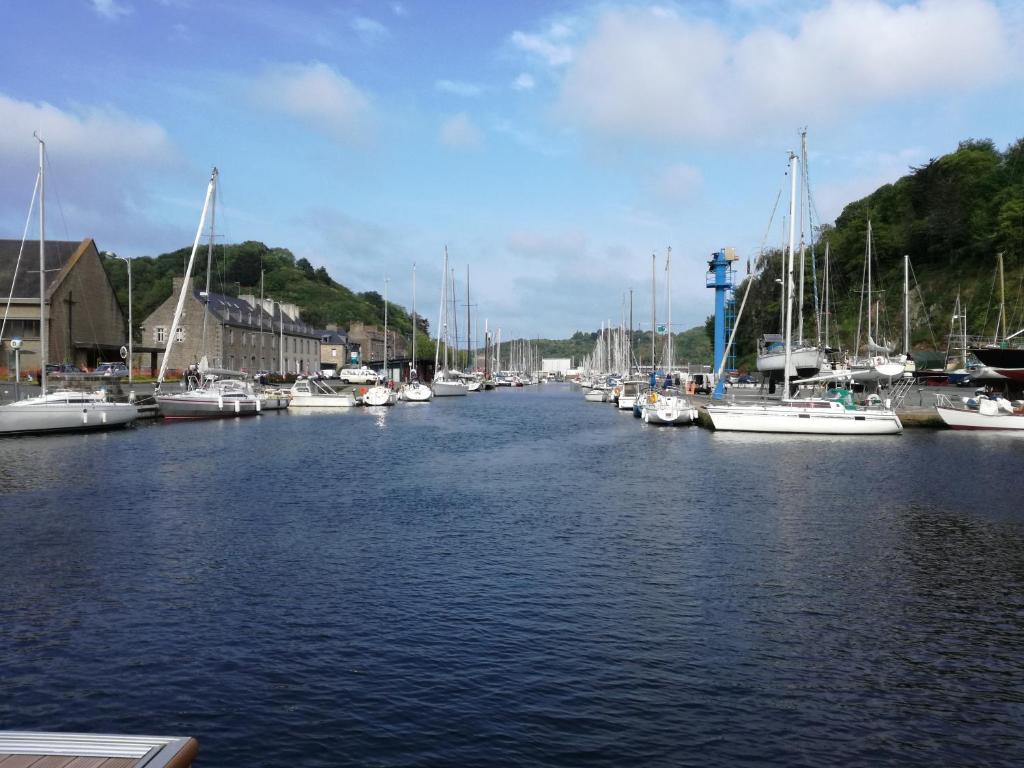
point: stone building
(241, 334)
(371, 342)
(336, 349)
(85, 321)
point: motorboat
(312, 393)
(987, 412)
(379, 395)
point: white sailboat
(804, 359)
(380, 394)
(219, 394)
(668, 406)
(833, 415)
(63, 410)
(415, 391)
(445, 383)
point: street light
(128, 260)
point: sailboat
(415, 391)
(62, 410)
(446, 383)
(805, 359)
(668, 406)
(1004, 355)
(835, 414)
(217, 394)
(380, 394)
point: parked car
(747, 378)
(62, 368)
(362, 375)
(111, 369)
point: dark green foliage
(951, 215)
(236, 269)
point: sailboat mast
(469, 327)
(209, 269)
(42, 264)
(188, 274)
(793, 161)
(1001, 320)
(800, 307)
(385, 368)
(442, 324)
(906, 304)
(413, 320)
(668, 279)
(654, 319)
(870, 338)
(826, 294)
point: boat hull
(958, 418)
(802, 420)
(48, 418)
(377, 396)
(185, 407)
(448, 388)
(805, 362)
(416, 393)
(324, 401)
(1006, 362)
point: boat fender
(888, 404)
(103, 416)
(220, 402)
(258, 404)
(85, 416)
(238, 406)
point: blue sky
(551, 146)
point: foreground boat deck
(33, 749)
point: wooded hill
(952, 215)
(236, 270)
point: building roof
(333, 337)
(232, 310)
(26, 286)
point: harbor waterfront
(516, 578)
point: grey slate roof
(58, 252)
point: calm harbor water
(517, 578)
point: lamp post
(128, 260)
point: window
(179, 334)
(160, 334)
(231, 335)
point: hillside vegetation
(951, 215)
(236, 270)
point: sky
(552, 147)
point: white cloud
(469, 90)
(552, 46)
(100, 133)
(369, 30)
(678, 183)
(547, 247)
(314, 93)
(524, 82)
(658, 75)
(102, 163)
(459, 132)
(110, 9)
